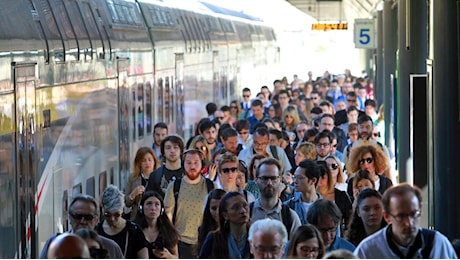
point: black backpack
(285, 216)
(177, 183)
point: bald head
(68, 245)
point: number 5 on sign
(364, 33)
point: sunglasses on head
(228, 170)
(365, 160)
(87, 217)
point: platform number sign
(364, 34)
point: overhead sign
(329, 26)
(364, 34)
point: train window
(160, 100)
(172, 101)
(102, 182)
(212, 23)
(113, 12)
(78, 26)
(77, 189)
(65, 208)
(61, 15)
(148, 107)
(90, 186)
(169, 19)
(140, 109)
(187, 33)
(167, 101)
(92, 27)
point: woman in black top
(127, 234)
(326, 187)
(161, 236)
(370, 157)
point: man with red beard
(184, 207)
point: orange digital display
(329, 26)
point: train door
(124, 121)
(26, 174)
(179, 93)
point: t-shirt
(189, 205)
(135, 238)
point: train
(82, 83)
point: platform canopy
(338, 10)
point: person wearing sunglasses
(83, 214)
(327, 189)
(127, 234)
(338, 176)
(228, 172)
(369, 157)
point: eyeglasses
(273, 249)
(256, 144)
(328, 230)
(86, 217)
(334, 145)
(413, 215)
(235, 107)
(266, 178)
(320, 145)
(309, 250)
(351, 100)
(376, 134)
(368, 160)
(333, 166)
(244, 132)
(115, 215)
(228, 170)
(246, 95)
(220, 117)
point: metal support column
(446, 117)
(412, 47)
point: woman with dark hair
(161, 236)
(326, 187)
(361, 181)
(367, 217)
(230, 240)
(306, 243)
(210, 216)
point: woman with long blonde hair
(291, 118)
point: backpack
(177, 183)
(428, 238)
(285, 216)
(274, 151)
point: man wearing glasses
(403, 237)
(326, 217)
(267, 238)
(268, 205)
(83, 214)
